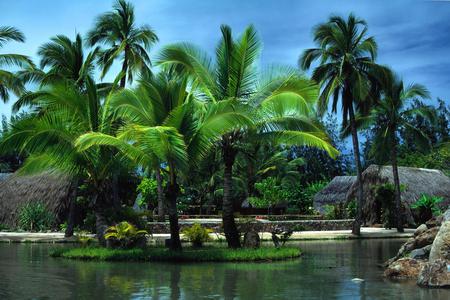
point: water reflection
(325, 272)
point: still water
(324, 272)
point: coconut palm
(347, 74)
(392, 115)
(180, 139)
(61, 59)
(8, 80)
(60, 113)
(278, 102)
(127, 41)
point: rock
(426, 238)
(446, 215)
(404, 268)
(434, 222)
(421, 253)
(441, 244)
(435, 274)
(421, 229)
(252, 240)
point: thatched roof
(334, 193)
(16, 191)
(416, 181)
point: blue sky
(413, 36)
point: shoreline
(366, 233)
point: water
(324, 272)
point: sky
(413, 36)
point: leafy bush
(148, 188)
(351, 209)
(83, 238)
(124, 235)
(3, 227)
(34, 216)
(385, 196)
(271, 193)
(303, 197)
(197, 234)
(427, 207)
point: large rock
(421, 253)
(446, 216)
(404, 268)
(435, 274)
(421, 229)
(426, 238)
(252, 240)
(441, 244)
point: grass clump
(187, 255)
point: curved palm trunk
(123, 80)
(229, 225)
(72, 211)
(159, 187)
(173, 189)
(360, 196)
(397, 195)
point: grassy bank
(188, 254)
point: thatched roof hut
(416, 182)
(15, 191)
(334, 193)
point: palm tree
(346, 72)
(278, 101)
(118, 30)
(60, 113)
(391, 115)
(181, 139)
(61, 60)
(8, 80)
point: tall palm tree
(347, 73)
(127, 41)
(60, 113)
(391, 115)
(181, 139)
(61, 60)
(8, 80)
(279, 102)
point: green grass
(188, 254)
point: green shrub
(385, 196)
(124, 235)
(427, 207)
(83, 238)
(335, 212)
(148, 188)
(34, 216)
(351, 209)
(197, 234)
(271, 193)
(302, 197)
(3, 227)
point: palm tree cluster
(196, 114)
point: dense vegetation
(208, 133)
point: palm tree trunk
(123, 80)
(360, 201)
(229, 225)
(72, 211)
(100, 218)
(159, 188)
(173, 190)
(397, 196)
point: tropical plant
(271, 194)
(278, 103)
(427, 206)
(197, 234)
(125, 234)
(83, 238)
(346, 72)
(48, 137)
(165, 124)
(117, 29)
(148, 188)
(9, 81)
(390, 115)
(34, 216)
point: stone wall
(262, 226)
